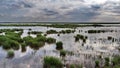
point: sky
(59, 10)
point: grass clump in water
(10, 54)
(78, 37)
(50, 40)
(67, 31)
(59, 45)
(34, 32)
(63, 53)
(51, 32)
(23, 47)
(52, 62)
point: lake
(96, 45)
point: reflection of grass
(52, 62)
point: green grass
(50, 40)
(52, 62)
(13, 40)
(51, 32)
(59, 45)
(10, 54)
(80, 37)
(63, 53)
(67, 31)
(54, 25)
(115, 62)
(23, 47)
(34, 32)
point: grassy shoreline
(61, 24)
(52, 25)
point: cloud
(59, 10)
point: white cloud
(60, 10)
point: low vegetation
(10, 54)
(23, 47)
(34, 32)
(114, 63)
(50, 40)
(63, 53)
(80, 37)
(74, 66)
(54, 25)
(51, 32)
(39, 41)
(59, 45)
(52, 62)
(110, 38)
(96, 31)
(12, 40)
(67, 31)
(60, 32)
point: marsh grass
(50, 40)
(52, 62)
(10, 54)
(63, 53)
(51, 32)
(80, 37)
(59, 45)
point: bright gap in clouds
(96, 1)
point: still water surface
(97, 44)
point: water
(96, 45)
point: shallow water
(97, 44)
